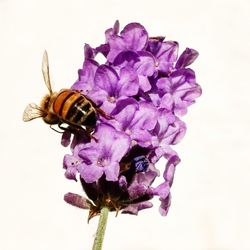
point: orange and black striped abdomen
(74, 108)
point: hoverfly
(66, 106)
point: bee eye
(140, 163)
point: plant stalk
(101, 229)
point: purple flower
(168, 131)
(144, 87)
(102, 157)
(70, 163)
(111, 87)
(143, 64)
(136, 120)
(165, 53)
(85, 82)
(179, 90)
(133, 37)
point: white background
(210, 207)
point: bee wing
(32, 111)
(45, 70)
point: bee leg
(60, 132)
(92, 137)
(89, 131)
(64, 128)
(104, 114)
(75, 129)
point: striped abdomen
(74, 108)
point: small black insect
(140, 163)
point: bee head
(46, 105)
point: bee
(67, 106)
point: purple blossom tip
(186, 58)
(77, 200)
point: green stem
(101, 229)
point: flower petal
(77, 200)
(144, 83)
(70, 163)
(156, 154)
(89, 153)
(164, 120)
(117, 45)
(142, 137)
(175, 133)
(167, 55)
(90, 173)
(65, 140)
(184, 89)
(112, 31)
(112, 171)
(170, 169)
(165, 204)
(103, 49)
(186, 58)
(135, 36)
(123, 184)
(162, 190)
(167, 102)
(106, 78)
(128, 84)
(145, 117)
(154, 44)
(85, 82)
(164, 85)
(126, 58)
(89, 53)
(120, 146)
(99, 96)
(146, 64)
(146, 178)
(124, 112)
(137, 190)
(108, 106)
(135, 208)
(71, 173)
(113, 144)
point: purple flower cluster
(145, 87)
